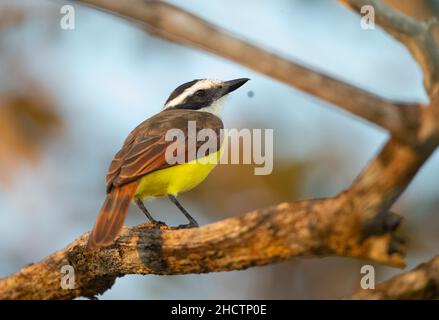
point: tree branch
(419, 283)
(397, 164)
(419, 40)
(415, 35)
(355, 223)
(314, 228)
(169, 22)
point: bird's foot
(188, 225)
(159, 224)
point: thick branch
(387, 176)
(419, 283)
(397, 164)
(315, 228)
(172, 23)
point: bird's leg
(192, 223)
(142, 207)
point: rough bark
(314, 228)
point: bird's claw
(158, 224)
(188, 226)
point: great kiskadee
(140, 170)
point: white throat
(216, 107)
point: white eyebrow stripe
(202, 84)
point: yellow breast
(177, 179)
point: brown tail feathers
(112, 215)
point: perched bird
(140, 169)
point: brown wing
(144, 149)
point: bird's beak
(232, 85)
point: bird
(141, 171)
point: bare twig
(415, 35)
(169, 22)
(398, 163)
(419, 283)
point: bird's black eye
(200, 93)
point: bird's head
(202, 95)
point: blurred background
(68, 98)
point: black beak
(232, 85)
